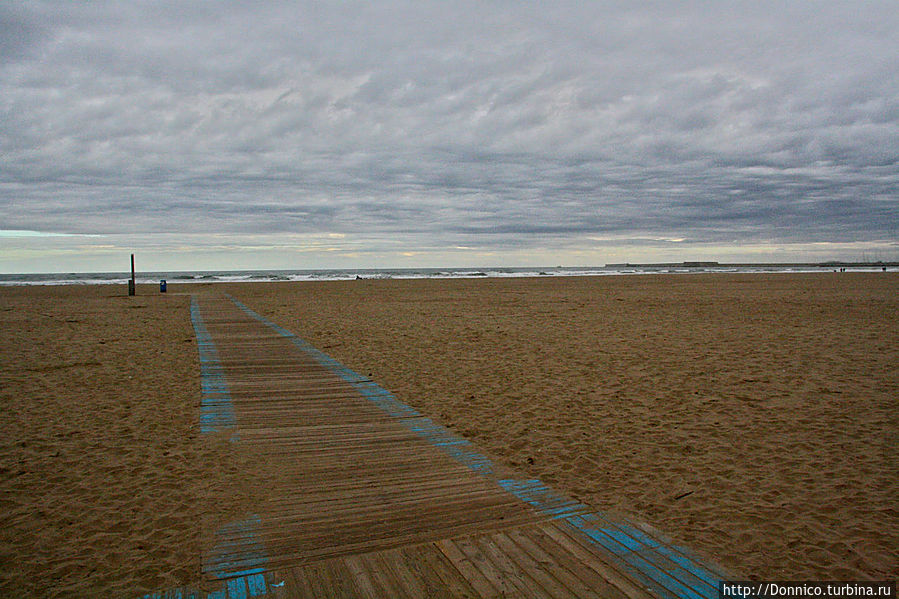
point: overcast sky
(331, 134)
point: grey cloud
(453, 123)
(20, 32)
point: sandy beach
(105, 485)
(753, 418)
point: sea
(262, 276)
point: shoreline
(307, 275)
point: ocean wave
(263, 276)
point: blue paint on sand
(238, 556)
(544, 499)
(216, 409)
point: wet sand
(751, 417)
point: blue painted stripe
(238, 556)
(174, 594)
(433, 432)
(645, 557)
(547, 501)
(696, 570)
(237, 588)
(634, 562)
(242, 587)
(679, 556)
(256, 585)
(216, 408)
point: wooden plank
(468, 569)
(573, 542)
(341, 580)
(451, 582)
(544, 572)
(509, 569)
(316, 578)
(712, 573)
(584, 581)
(498, 579)
(382, 575)
(295, 583)
(395, 562)
(628, 551)
(361, 579)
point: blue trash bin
(162, 286)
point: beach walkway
(366, 497)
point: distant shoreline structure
(711, 264)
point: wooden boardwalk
(365, 497)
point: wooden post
(131, 282)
